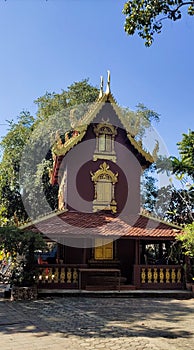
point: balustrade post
(62, 275)
(136, 275)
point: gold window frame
(105, 135)
(104, 189)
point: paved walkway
(75, 323)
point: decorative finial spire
(108, 83)
(101, 86)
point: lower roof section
(92, 225)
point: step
(127, 287)
(110, 287)
(105, 279)
(101, 287)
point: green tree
(22, 247)
(183, 166)
(187, 240)
(140, 120)
(149, 190)
(181, 206)
(185, 163)
(175, 205)
(146, 17)
(3, 216)
(12, 145)
(77, 94)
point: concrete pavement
(78, 323)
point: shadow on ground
(99, 317)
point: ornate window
(104, 184)
(105, 134)
(103, 249)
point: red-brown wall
(79, 164)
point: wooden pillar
(58, 252)
(92, 253)
(64, 254)
(84, 256)
(115, 255)
(136, 275)
(84, 252)
(137, 250)
(136, 266)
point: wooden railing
(158, 276)
(58, 275)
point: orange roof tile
(75, 224)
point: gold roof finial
(108, 83)
(101, 86)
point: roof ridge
(42, 218)
(162, 221)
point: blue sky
(47, 45)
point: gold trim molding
(103, 172)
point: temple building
(102, 239)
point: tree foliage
(187, 239)
(185, 164)
(12, 145)
(77, 94)
(14, 241)
(22, 247)
(149, 190)
(146, 17)
(174, 203)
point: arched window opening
(105, 134)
